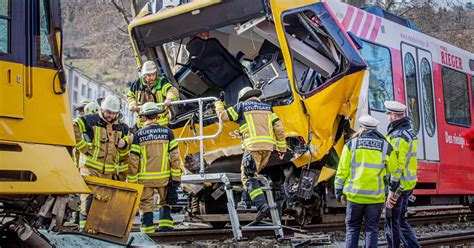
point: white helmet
(91, 108)
(149, 67)
(111, 103)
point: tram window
(427, 95)
(45, 56)
(412, 91)
(456, 97)
(380, 80)
(5, 26)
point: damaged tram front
(307, 67)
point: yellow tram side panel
(41, 132)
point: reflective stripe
(256, 192)
(339, 180)
(176, 172)
(281, 143)
(233, 115)
(135, 149)
(148, 229)
(364, 192)
(82, 126)
(132, 179)
(394, 179)
(122, 153)
(243, 128)
(97, 142)
(153, 175)
(252, 131)
(274, 117)
(164, 159)
(409, 153)
(122, 167)
(258, 139)
(409, 178)
(338, 186)
(82, 143)
(219, 105)
(143, 160)
(166, 223)
(368, 165)
(84, 159)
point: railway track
(226, 233)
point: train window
(456, 97)
(44, 53)
(412, 91)
(380, 80)
(427, 95)
(5, 26)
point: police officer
(155, 163)
(261, 131)
(365, 160)
(151, 87)
(404, 142)
(99, 138)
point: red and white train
(435, 80)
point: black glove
(172, 193)
(249, 165)
(338, 194)
(222, 96)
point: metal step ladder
(228, 179)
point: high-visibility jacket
(140, 93)
(260, 128)
(405, 143)
(364, 162)
(97, 141)
(154, 156)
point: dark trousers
(355, 213)
(397, 228)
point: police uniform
(261, 131)
(155, 163)
(141, 92)
(97, 140)
(365, 160)
(405, 143)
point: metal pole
(201, 141)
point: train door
(12, 58)
(419, 98)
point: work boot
(147, 226)
(166, 222)
(262, 213)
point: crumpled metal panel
(113, 209)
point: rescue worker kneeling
(155, 163)
(99, 138)
(365, 160)
(261, 130)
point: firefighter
(80, 108)
(404, 141)
(107, 138)
(261, 131)
(365, 160)
(151, 87)
(91, 108)
(155, 163)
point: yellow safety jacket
(154, 156)
(405, 143)
(364, 162)
(97, 141)
(260, 128)
(140, 93)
